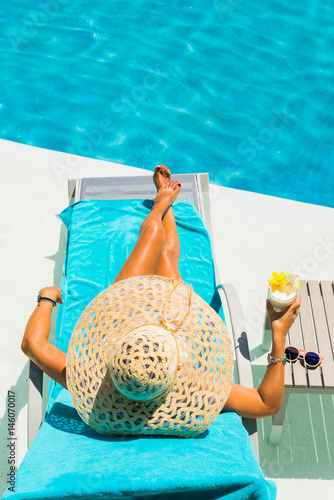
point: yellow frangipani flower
(284, 282)
(278, 279)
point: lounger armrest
(240, 340)
(239, 334)
(35, 408)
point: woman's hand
(281, 322)
(52, 292)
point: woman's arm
(267, 399)
(35, 340)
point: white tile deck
(254, 235)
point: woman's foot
(166, 195)
(161, 176)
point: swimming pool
(241, 89)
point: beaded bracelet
(39, 298)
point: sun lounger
(69, 460)
(195, 187)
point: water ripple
(243, 90)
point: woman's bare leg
(144, 258)
(170, 254)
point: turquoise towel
(101, 235)
(68, 460)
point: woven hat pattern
(143, 363)
(201, 386)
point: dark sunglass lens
(291, 353)
(312, 358)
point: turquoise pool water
(241, 89)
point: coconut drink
(283, 289)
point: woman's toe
(165, 171)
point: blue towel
(101, 235)
(68, 460)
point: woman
(157, 252)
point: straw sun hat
(149, 356)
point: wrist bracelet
(39, 298)
(273, 361)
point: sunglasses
(312, 359)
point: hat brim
(202, 384)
